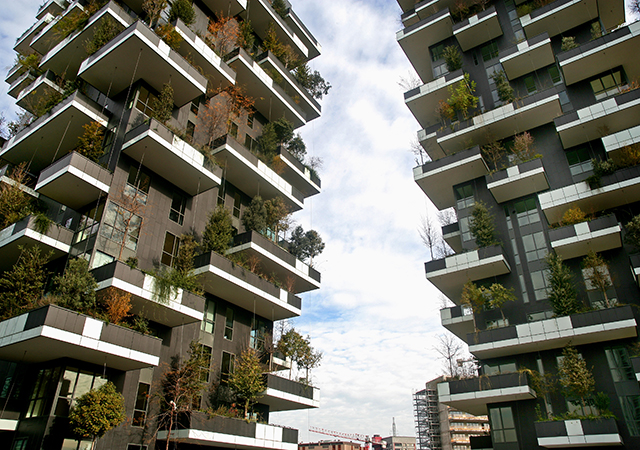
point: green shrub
(573, 215)
(90, 143)
(163, 105)
(461, 96)
(169, 35)
(105, 32)
(596, 30)
(279, 7)
(505, 91)
(452, 58)
(218, 232)
(632, 235)
(482, 225)
(568, 43)
(561, 292)
(183, 10)
(76, 287)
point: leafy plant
(472, 298)
(499, 295)
(183, 10)
(305, 245)
(218, 231)
(523, 148)
(482, 225)
(284, 52)
(224, 34)
(169, 35)
(90, 143)
(97, 412)
(254, 216)
(561, 293)
(42, 223)
(280, 7)
(105, 32)
(574, 376)
(246, 380)
(153, 9)
(117, 304)
(461, 96)
(596, 30)
(495, 153)
(247, 37)
(76, 287)
(163, 105)
(445, 111)
(30, 62)
(505, 91)
(596, 271)
(311, 81)
(568, 43)
(629, 155)
(573, 215)
(452, 58)
(601, 168)
(632, 232)
(15, 203)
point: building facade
(529, 127)
(329, 445)
(441, 427)
(143, 123)
(400, 442)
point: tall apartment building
(556, 82)
(441, 427)
(99, 65)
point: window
(540, 315)
(607, 85)
(140, 407)
(206, 352)
(535, 246)
(497, 368)
(554, 73)
(497, 323)
(596, 297)
(259, 329)
(464, 197)
(178, 205)
(195, 106)
(579, 161)
(209, 321)
(437, 52)
(73, 444)
(170, 249)
(631, 411)
(145, 100)
(136, 447)
(530, 84)
(138, 184)
(250, 120)
(233, 129)
(121, 226)
(43, 392)
(540, 284)
(226, 367)
(89, 224)
(228, 325)
(191, 129)
(526, 212)
(503, 428)
(75, 383)
(620, 364)
(236, 205)
(20, 444)
(489, 51)
(250, 143)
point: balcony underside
(502, 122)
(614, 143)
(518, 184)
(32, 96)
(20, 83)
(22, 45)
(582, 243)
(478, 31)
(245, 171)
(74, 181)
(560, 19)
(528, 58)
(308, 40)
(49, 37)
(173, 159)
(138, 53)
(270, 99)
(475, 402)
(53, 134)
(609, 55)
(423, 104)
(300, 176)
(286, 395)
(460, 325)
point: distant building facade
(329, 445)
(400, 442)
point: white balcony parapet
(527, 56)
(478, 29)
(518, 181)
(597, 235)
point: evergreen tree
(305, 245)
(255, 216)
(481, 225)
(280, 7)
(562, 294)
(182, 9)
(278, 216)
(23, 285)
(575, 377)
(76, 288)
(218, 232)
(596, 272)
(163, 105)
(90, 143)
(246, 380)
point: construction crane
(376, 441)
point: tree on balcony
(313, 82)
(97, 412)
(505, 91)
(575, 377)
(523, 148)
(153, 9)
(561, 293)
(495, 153)
(218, 231)
(15, 203)
(75, 289)
(224, 34)
(163, 105)
(461, 96)
(284, 52)
(597, 275)
(305, 245)
(452, 58)
(183, 10)
(246, 380)
(105, 32)
(632, 235)
(224, 106)
(280, 7)
(482, 225)
(90, 143)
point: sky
(376, 317)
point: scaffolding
(426, 414)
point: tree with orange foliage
(224, 34)
(117, 304)
(224, 106)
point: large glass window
(75, 383)
(228, 325)
(497, 368)
(530, 84)
(631, 411)
(503, 428)
(140, 407)
(226, 366)
(138, 184)
(145, 101)
(178, 206)
(597, 298)
(464, 196)
(620, 364)
(609, 84)
(43, 392)
(535, 246)
(437, 52)
(170, 249)
(209, 320)
(489, 51)
(539, 279)
(526, 212)
(259, 331)
(579, 161)
(121, 226)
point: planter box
(578, 433)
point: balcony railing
(230, 432)
(518, 181)
(478, 29)
(283, 394)
(560, 16)
(578, 329)
(181, 307)
(446, 274)
(244, 288)
(527, 56)
(437, 178)
(458, 320)
(474, 394)
(599, 235)
(578, 433)
(299, 175)
(52, 332)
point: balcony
(578, 433)
(417, 38)
(298, 174)
(450, 273)
(54, 7)
(192, 46)
(26, 232)
(19, 83)
(620, 188)
(615, 142)
(181, 308)
(231, 7)
(607, 52)
(527, 56)
(458, 320)
(261, 15)
(276, 261)
(14, 73)
(22, 43)
(74, 180)
(561, 16)
(244, 170)
(599, 235)
(139, 52)
(270, 99)
(474, 394)
(478, 29)
(49, 37)
(155, 146)
(230, 432)
(423, 100)
(301, 96)
(499, 123)
(244, 288)
(453, 237)
(437, 178)
(52, 332)
(518, 181)
(635, 362)
(32, 96)
(283, 394)
(53, 134)
(303, 33)
(578, 329)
